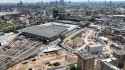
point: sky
(11, 1)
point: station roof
(45, 31)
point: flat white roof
(8, 13)
(4, 39)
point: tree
(74, 67)
(7, 27)
(55, 13)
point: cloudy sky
(4, 1)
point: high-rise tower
(62, 2)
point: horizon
(33, 1)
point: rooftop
(48, 31)
(8, 13)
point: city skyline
(15, 1)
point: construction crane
(88, 4)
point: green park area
(7, 27)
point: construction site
(59, 46)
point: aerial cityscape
(62, 35)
